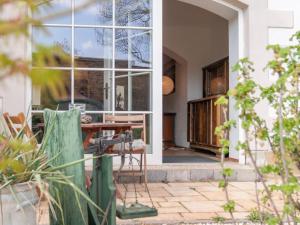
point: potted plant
(25, 173)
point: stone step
(201, 172)
(194, 172)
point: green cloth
(65, 142)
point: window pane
(37, 121)
(97, 13)
(133, 91)
(53, 37)
(93, 88)
(133, 13)
(51, 8)
(93, 47)
(133, 48)
(43, 97)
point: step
(183, 172)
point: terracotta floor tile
(164, 217)
(241, 195)
(215, 196)
(198, 216)
(203, 206)
(236, 215)
(184, 193)
(188, 201)
(178, 209)
(156, 194)
(247, 205)
(186, 198)
(169, 204)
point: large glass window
(108, 44)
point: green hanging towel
(66, 140)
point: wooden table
(92, 128)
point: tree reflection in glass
(98, 13)
(133, 48)
(133, 13)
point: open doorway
(195, 73)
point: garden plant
(280, 135)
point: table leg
(89, 136)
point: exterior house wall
(200, 38)
(269, 22)
(263, 22)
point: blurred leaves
(16, 28)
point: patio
(188, 203)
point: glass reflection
(133, 48)
(53, 37)
(43, 97)
(97, 13)
(138, 97)
(51, 8)
(93, 88)
(133, 13)
(93, 47)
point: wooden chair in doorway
(17, 124)
(138, 146)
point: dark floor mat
(187, 159)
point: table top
(109, 125)
(104, 125)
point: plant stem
(226, 134)
(248, 151)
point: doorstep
(183, 172)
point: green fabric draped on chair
(65, 144)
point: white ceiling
(214, 6)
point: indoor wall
(194, 38)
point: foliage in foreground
(280, 135)
(23, 161)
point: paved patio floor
(179, 203)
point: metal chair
(138, 146)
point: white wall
(199, 38)
(14, 89)
(279, 34)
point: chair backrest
(19, 123)
(140, 120)
(4, 129)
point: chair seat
(138, 146)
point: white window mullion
(72, 55)
(129, 36)
(113, 57)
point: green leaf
(222, 184)
(229, 206)
(272, 220)
(221, 101)
(218, 219)
(267, 169)
(227, 172)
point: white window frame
(154, 71)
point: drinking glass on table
(80, 106)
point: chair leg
(141, 168)
(145, 167)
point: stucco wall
(199, 38)
(278, 34)
(14, 89)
